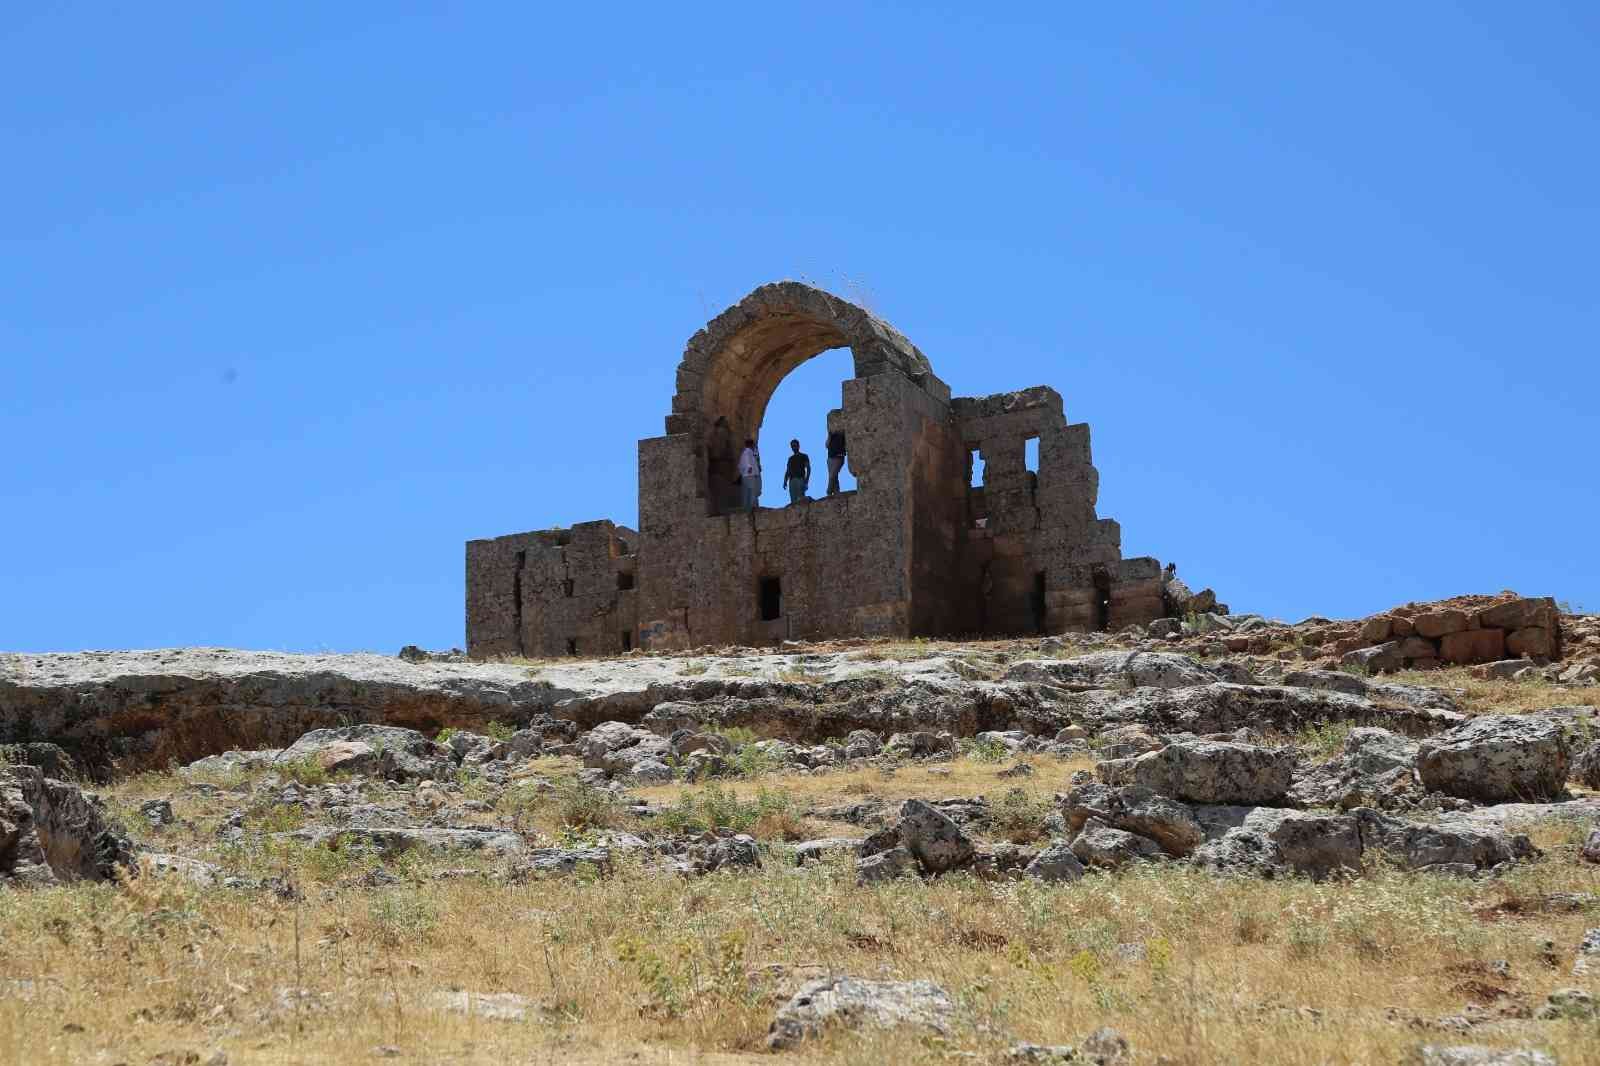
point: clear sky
(297, 298)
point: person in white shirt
(749, 475)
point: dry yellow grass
(650, 968)
(1233, 971)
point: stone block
(1473, 646)
(1436, 624)
(1377, 629)
(1532, 641)
(1520, 614)
(1418, 648)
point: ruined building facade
(914, 550)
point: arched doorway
(798, 410)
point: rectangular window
(624, 581)
(770, 595)
(974, 467)
(1030, 454)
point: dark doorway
(770, 595)
(627, 640)
(624, 581)
(1036, 601)
(1102, 600)
(572, 645)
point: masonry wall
(554, 592)
(843, 564)
(1039, 558)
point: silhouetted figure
(797, 475)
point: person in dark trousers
(835, 459)
(797, 475)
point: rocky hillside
(1067, 849)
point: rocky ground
(1207, 843)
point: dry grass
(1481, 696)
(1233, 971)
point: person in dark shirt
(797, 475)
(835, 459)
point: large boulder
(1097, 844)
(1449, 846)
(1586, 767)
(1498, 757)
(51, 832)
(619, 748)
(1376, 769)
(1207, 771)
(1134, 809)
(1273, 842)
(388, 751)
(855, 1002)
(937, 842)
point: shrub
(721, 808)
(1019, 818)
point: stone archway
(731, 368)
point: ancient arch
(731, 368)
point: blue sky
(295, 299)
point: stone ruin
(915, 549)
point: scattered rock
(1055, 863)
(1588, 961)
(1099, 845)
(1135, 809)
(1477, 1055)
(937, 842)
(1207, 772)
(157, 812)
(51, 831)
(495, 1006)
(1498, 757)
(855, 1002)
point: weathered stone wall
(1452, 633)
(554, 592)
(1042, 560)
(913, 550)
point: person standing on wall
(750, 475)
(797, 475)
(835, 459)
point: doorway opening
(769, 596)
(1102, 600)
(1037, 602)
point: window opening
(770, 596)
(566, 588)
(572, 645)
(975, 467)
(1030, 454)
(627, 640)
(624, 581)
